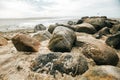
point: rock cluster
(85, 36)
(94, 38)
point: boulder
(85, 27)
(51, 28)
(62, 40)
(102, 73)
(70, 23)
(97, 22)
(104, 31)
(62, 62)
(114, 41)
(23, 42)
(80, 21)
(98, 51)
(42, 35)
(39, 27)
(3, 41)
(115, 29)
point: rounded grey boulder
(62, 40)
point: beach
(90, 44)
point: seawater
(14, 24)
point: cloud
(15, 8)
(52, 8)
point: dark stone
(62, 62)
(114, 41)
(79, 21)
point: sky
(58, 8)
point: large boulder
(102, 73)
(98, 51)
(85, 27)
(42, 35)
(23, 42)
(114, 41)
(115, 29)
(39, 27)
(62, 40)
(62, 62)
(97, 22)
(3, 41)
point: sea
(15, 24)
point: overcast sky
(54, 8)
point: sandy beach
(16, 65)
